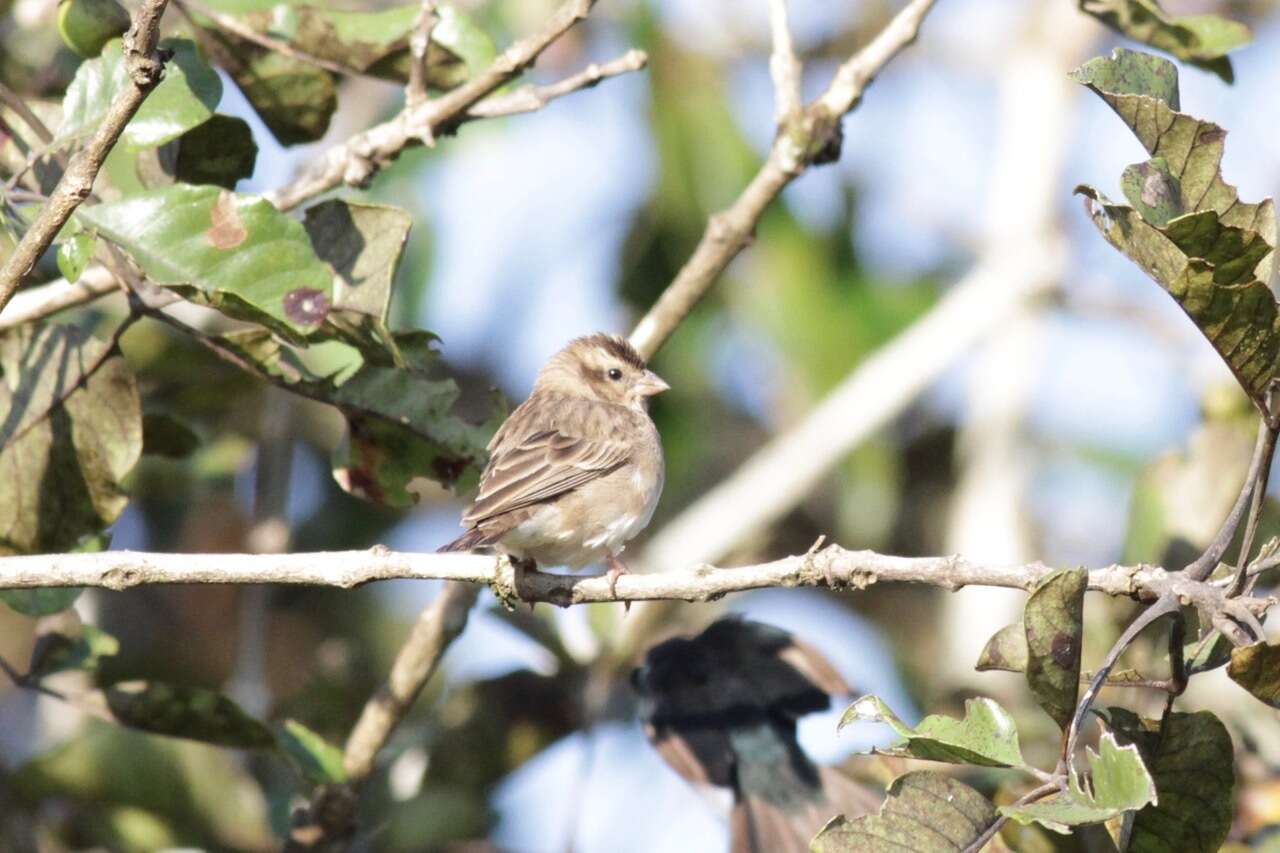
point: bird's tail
(469, 541)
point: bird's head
(604, 368)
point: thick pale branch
(832, 566)
(35, 303)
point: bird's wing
(540, 465)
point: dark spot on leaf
(1064, 650)
(1211, 134)
(306, 306)
(361, 482)
(226, 230)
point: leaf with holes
(186, 712)
(232, 251)
(401, 424)
(185, 98)
(1117, 782)
(317, 759)
(1185, 226)
(70, 430)
(1191, 760)
(1202, 40)
(1054, 622)
(987, 736)
(921, 811)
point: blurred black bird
(721, 709)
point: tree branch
(145, 68)
(833, 567)
(360, 157)
(36, 303)
(809, 136)
(784, 65)
(529, 97)
(416, 92)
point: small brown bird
(721, 709)
(575, 472)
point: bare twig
(529, 97)
(360, 157)
(416, 92)
(784, 65)
(1039, 793)
(436, 628)
(1263, 450)
(1255, 509)
(855, 75)
(36, 303)
(145, 68)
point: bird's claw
(616, 570)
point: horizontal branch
(833, 567)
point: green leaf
(220, 151)
(377, 43)
(1117, 782)
(165, 435)
(294, 99)
(319, 760)
(64, 644)
(401, 426)
(987, 736)
(1191, 760)
(1054, 622)
(1202, 40)
(186, 712)
(1256, 668)
(363, 244)
(87, 25)
(1006, 650)
(42, 601)
(232, 251)
(74, 254)
(921, 811)
(71, 430)
(185, 97)
(1188, 228)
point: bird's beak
(650, 384)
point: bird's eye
(615, 374)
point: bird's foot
(617, 569)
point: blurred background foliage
(1129, 446)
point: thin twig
(355, 161)
(35, 303)
(1167, 605)
(810, 136)
(784, 65)
(145, 67)
(419, 42)
(1255, 509)
(528, 98)
(1263, 450)
(1038, 793)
